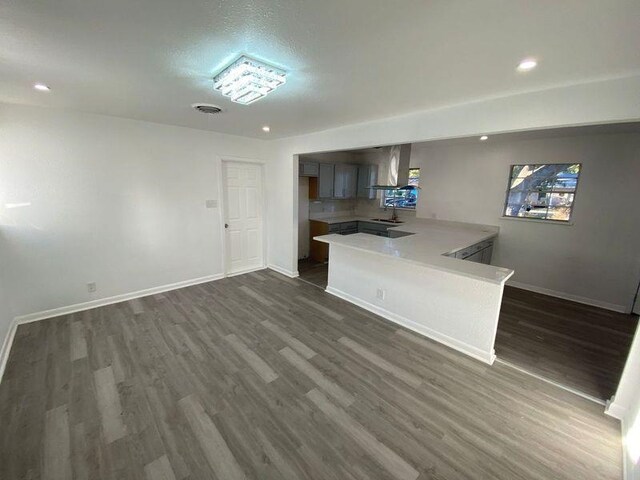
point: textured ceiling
(349, 61)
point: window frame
(384, 197)
(510, 177)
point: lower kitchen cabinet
(373, 229)
(479, 253)
(318, 251)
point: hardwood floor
(582, 347)
(313, 272)
(575, 345)
(265, 377)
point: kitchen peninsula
(416, 280)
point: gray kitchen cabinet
(345, 181)
(479, 253)
(373, 229)
(475, 257)
(308, 169)
(344, 228)
(367, 176)
(325, 180)
(397, 234)
(487, 253)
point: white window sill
(406, 209)
(538, 220)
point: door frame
(222, 205)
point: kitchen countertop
(430, 242)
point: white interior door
(243, 216)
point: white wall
(112, 201)
(595, 259)
(424, 299)
(591, 103)
(6, 315)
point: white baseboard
(78, 307)
(478, 354)
(568, 296)
(247, 270)
(6, 346)
(614, 409)
(284, 271)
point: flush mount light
(42, 87)
(483, 138)
(527, 64)
(247, 80)
(266, 128)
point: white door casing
(243, 216)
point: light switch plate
(211, 203)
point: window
(407, 197)
(543, 192)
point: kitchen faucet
(394, 215)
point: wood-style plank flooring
(265, 377)
(578, 346)
(313, 272)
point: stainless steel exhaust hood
(398, 169)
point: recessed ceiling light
(266, 128)
(42, 87)
(527, 64)
(247, 80)
(483, 138)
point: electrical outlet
(380, 294)
(91, 287)
(211, 203)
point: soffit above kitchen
(346, 62)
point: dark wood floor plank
(264, 377)
(576, 345)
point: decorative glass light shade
(247, 80)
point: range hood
(398, 169)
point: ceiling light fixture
(266, 128)
(527, 64)
(42, 87)
(247, 80)
(483, 138)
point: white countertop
(432, 239)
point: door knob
(226, 225)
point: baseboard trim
(485, 357)
(566, 388)
(78, 307)
(567, 296)
(614, 409)
(248, 270)
(6, 346)
(284, 271)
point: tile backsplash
(328, 207)
(359, 207)
(371, 208)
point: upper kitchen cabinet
(325, 180)
(345, 181)
(308, 169)
(367, 176)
